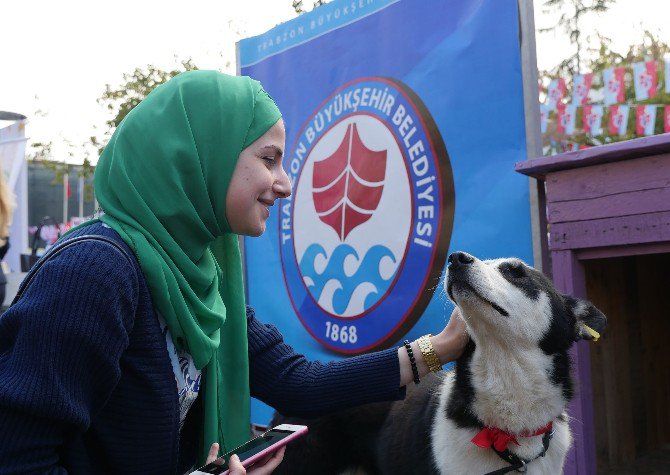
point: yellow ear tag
(592, 332)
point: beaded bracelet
(412, 361)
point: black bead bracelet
(412, 361)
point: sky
(57, 56)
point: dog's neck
(507, 388)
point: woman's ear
(589, 321)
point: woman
(6, 211)
(90, 354)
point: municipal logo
(364, 236)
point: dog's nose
(460, 259)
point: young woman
(6, 211)
(142, 358)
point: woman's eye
(269, 159)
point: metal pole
(80, 189)
(533, 134)
(66, 179)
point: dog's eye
(514, 271)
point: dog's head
(507, 299)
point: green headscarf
(162, 182)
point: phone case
(298, 432)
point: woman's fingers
(268, 465)
(213, 452)
(236, 467)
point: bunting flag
(593, 120)
(565, 121)
(645, 119)
(614, 88)
(667, 75)
(569, 146)
(581, 85)
(544, 116)
(555, 93)
(618, 123)
(644, 78)
(666, 116)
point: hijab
(162, 182)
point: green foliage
(42, 154)
(40, 151)
(571, 13)
(121, 99)
(300, 8)
(59, 169)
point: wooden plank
(654, 275)
(647, 306)
(625, 250)
(603, 180)
(625, 150)
(652, 227)
(631, 363)
(601, 423)
(613, 205)
(639, 392)
(568, 274)
(606, 283)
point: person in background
(6, 212)
(143, 358)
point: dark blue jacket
(86, 384)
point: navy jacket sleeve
(295, 386)
(60, 347)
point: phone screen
(247, 450)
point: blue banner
(403, 124)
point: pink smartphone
(256, 449)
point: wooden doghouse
(608, 222)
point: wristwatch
(428, 352)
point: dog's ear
(589, 321)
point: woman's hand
(448, 345)
(450, 342)
(262, 467)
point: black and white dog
(503, 408)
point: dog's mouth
(460, 283)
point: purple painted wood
(625, 250)
(569, 278)
(602, 202)
(641, 147)
(620, 204)
(603, 180)
(643, 228)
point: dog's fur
(514, 375)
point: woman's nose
(282, 186)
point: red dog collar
(499, 439)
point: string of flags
(645, 82)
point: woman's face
(257, 181)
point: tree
(121, 99)
(40, 151)
(569, 21)
(299, 7)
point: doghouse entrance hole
(630, 365)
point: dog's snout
(457, 259)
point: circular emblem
(364, 236)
